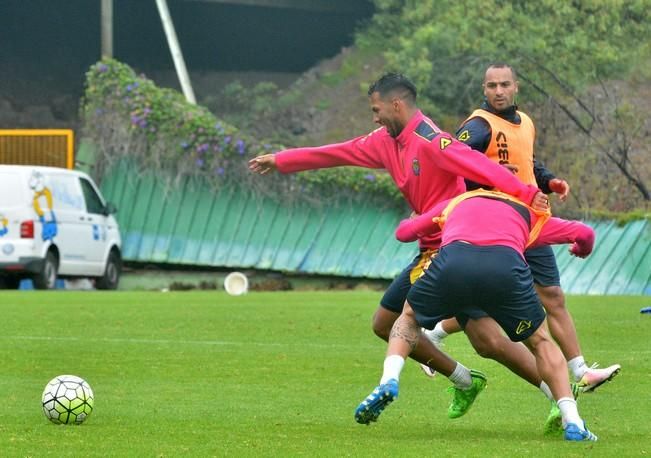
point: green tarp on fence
(194, 225)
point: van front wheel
(112, 271)
(47, 277)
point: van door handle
(81, 218)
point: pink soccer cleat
(594, 377)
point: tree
(561, 49)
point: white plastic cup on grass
(236, 284)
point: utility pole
(107, 28)
(175, 49)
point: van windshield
(12, 193)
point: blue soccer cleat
(574, 433)
(370, 408)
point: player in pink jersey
(481, 261)
(428, 166)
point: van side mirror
(110, 209)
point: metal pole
(107, 28)
(175, 49)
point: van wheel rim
(111, 272)
(50, 274)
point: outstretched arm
(366, 151)
(459, 159)
(557, 231)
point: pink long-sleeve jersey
(486, 221)
(427, 165)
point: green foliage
(251, 103)
(323, 104)
(621, 219)
(360, 184)
(350, 66)
(569, 57)
(444, 45)
(126, 116)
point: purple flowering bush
(127, 117)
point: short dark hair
(503, 65)
(394, 83)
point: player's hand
(511, 168)
(263, 164)
(580, 251)
(584, 243)
(560, 187)
(540, 202)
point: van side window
(93, 201)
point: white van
(54, 223)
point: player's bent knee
(381, 332)
(488, 346)
(486, 338)
(383, 320)
(552, 297)
(486, 350)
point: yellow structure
(50, 147)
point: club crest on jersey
(464, 136)
(445, 142)
(523, 326)
(415, 166)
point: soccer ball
(67, 399)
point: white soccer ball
(67, 400)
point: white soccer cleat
(594, 377)
(433, 337)
(428, 370)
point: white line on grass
(178, 342)
(216, 342)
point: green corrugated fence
(198, 226)
(195, 225)
(620, 263)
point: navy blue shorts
(544, 270)
(396, 294)
(542, 263)
(464, 277)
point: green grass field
(280, 374)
